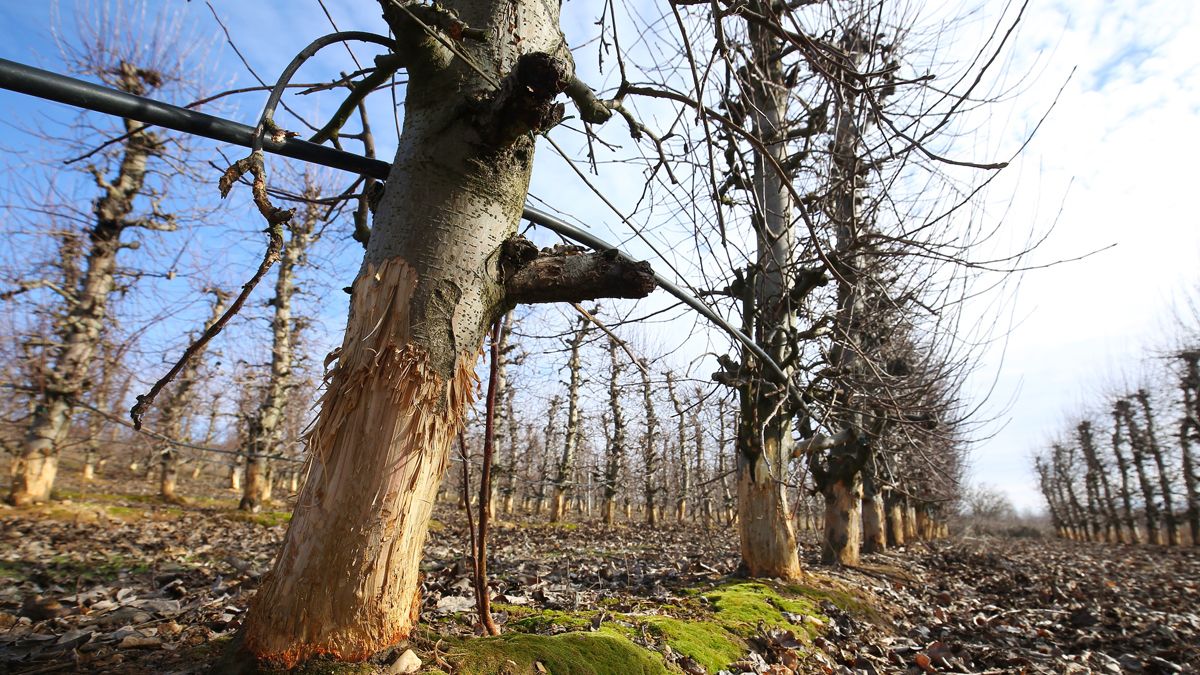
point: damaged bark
(346, 582)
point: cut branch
(578, 277)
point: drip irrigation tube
(44, 84)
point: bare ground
(108, 581)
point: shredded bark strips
(384, 399)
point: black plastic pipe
(44, 84)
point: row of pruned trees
(627, 439)
(93, 308)
(800, 150)
(1130, 476)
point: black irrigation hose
(44, 84)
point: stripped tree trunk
(346, 582)
(895, 520)
(842, 539)
(79, 333)
(764, 439)
(841, 480)
(874, 539)
(910, 521)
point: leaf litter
(127, 586)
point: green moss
(264, 518)
(716, 636)
(581, 653)
(742, 606)
(436, 525)
(61, 568)
(12, 570)
(847, 601)
(530, 620)
(709, 643)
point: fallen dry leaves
(159, 589)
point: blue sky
(1113, 165)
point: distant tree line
(1127, 473)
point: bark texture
(86, 311)
(764, 439)
(347, 579)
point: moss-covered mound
(579, 653)
(712, 627)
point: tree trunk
(505, 463)
(685, 474)
(650, 460)
(1112, 522)
(264, 425)
(1189, 432)
(1138, 446)
(79, 332)
(510, 426)
(615, 448)
(873, 537)
(765, 527)
(173, 410)
(843, 520)
(1164, 475)
(764, 438)
(1131, 525)
(235, 475)
(566, 462)
(895, 521)
(346, 582)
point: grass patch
(151, 511)
(10, 569)
(592, 653)
(717, 635)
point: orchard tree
(441, 266)
(139, 58)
